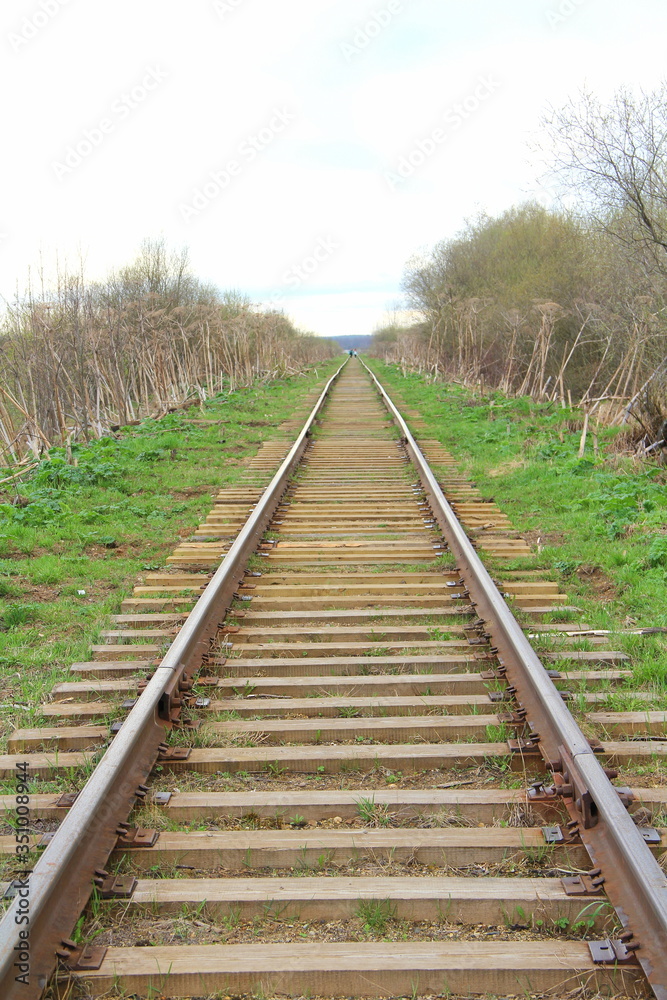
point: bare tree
(81, 358)
(614, 154)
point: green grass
(75, 538)
(601, 519)
(373, 813)
(375, 915)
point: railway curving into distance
(318, 755)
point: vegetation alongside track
(600, 519)
(83, 357)
(73, 539)
(369, 711)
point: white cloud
(324, 176)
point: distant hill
(349, 343)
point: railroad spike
(625, 794)
(137, 837)
(565, 790)
(66, 950)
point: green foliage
(439, 634)
(55, 471)
(41, 507)
(526, 253)
(375, 914)
(567, 566)
(657, 551)
(373, 813)
(539, 301)
(501, 301)
(622, 501)
(15, 615)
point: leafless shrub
(85, 357)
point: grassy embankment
(74, 539)
(601, 520)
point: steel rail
(633, 879)
(61, 882)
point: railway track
(359, 780)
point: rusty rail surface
(62, 881)
(633, 879)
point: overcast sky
(302, 150)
